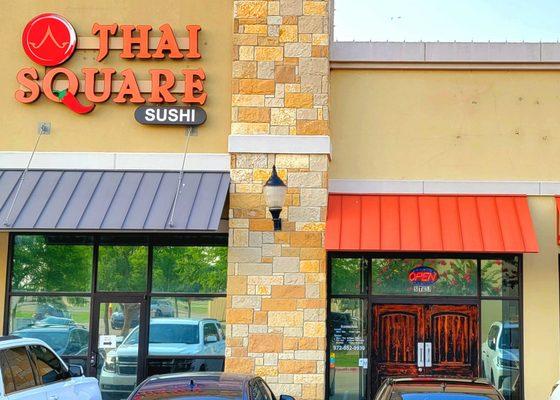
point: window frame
(94, 295)
(371, 299)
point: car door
(18, 377)
(58, 384)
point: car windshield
(447, 396)
(168, 333)
(57, 340)
(509, 338)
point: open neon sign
(423, 276)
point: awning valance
(111, 200)
(431, 223)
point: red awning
(500, 224)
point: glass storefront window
(501, 340)
(348, 349)
(187, 327)
(52, 264)
(190, 269)
(347, 276)
(61, 322)
(478, 293)
(424, 277)
(186, 314)
(500, 278)
(122, 268)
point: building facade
(420, 225)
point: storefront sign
(49, 40)
(170, 115)
(348, 338)
(423, 278)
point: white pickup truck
(31, 370)
(500, 354)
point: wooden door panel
(453, 332)
(397, 330)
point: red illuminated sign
(423, 276)
(49, 39)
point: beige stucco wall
(111, 127)
(540, 304)
(445, 125)
(464, 125)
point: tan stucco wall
(111, 127)
(445, 125)
(540, 304)
(3, 273)
(464, 125)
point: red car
(437, 389)
(205, 385)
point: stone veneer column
(276, 280)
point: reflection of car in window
(500, 354)
(159, 308)
(48, 310)
(56, 321)
(65, 340)
(168, 337)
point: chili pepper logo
(70, 101)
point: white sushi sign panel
(170, 115)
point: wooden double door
(425, 340)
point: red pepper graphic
(70, 101)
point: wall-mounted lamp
(275, 195)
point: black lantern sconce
(275, 194)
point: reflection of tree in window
(189, 269)
(499, 278)
(346, 276)
(122, 269)
(40, 266)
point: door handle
(53, 397)
(428, 354)
(421, 353)
(92, 361)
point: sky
(447, 20)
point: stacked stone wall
(276, 304)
